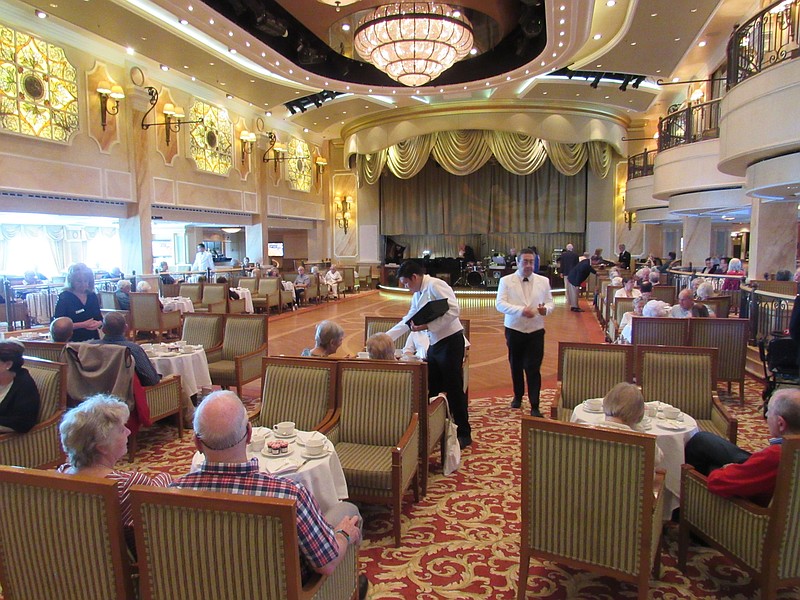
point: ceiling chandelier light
(414, 42)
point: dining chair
(228, 547)
(762, 540)
(588, 371)
(376, 324)
(147, 315)
(238, 360)
(608, 304)
(249, 283)
(203, 330)
(268, 294)
(663, 292)
(621, 306)
(192, 291)
(721, 305)
(376, 432)
(168, 290)
(214, 298)
(729, 337)
(666, 331)
(44, 350)
(685, 377)
(108, 300)
(41, 446)
(591, 500)
(61, 537)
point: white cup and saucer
(363, 355)
(284, 429)
(315, 447)
(671, 413)
(593, 405)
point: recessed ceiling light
(577, 95)
(247, 44)
(370, 90)
(185, 66)
(194, 78)
(345, 26)
(526, 71)
(291, 71)
(677, 39)
(346, 87)
(183, 22)
(130, 51)
(465, 87)
(263, 55)
(456, 13)
(327, 118)
(305, 129)
(40, 13)
(508, 77)
(222, 83)
(544, 93)
(694, 10)
(611, 3)
(653, 14)
(658, 70)
(560, 44)
(562, 21)
(543, 63)
(395, 91)
(211, 64)
(676, 79)
(315, 123)
(232, 50)
(296, 93)
(342, 122)
(607, 97)
(702, 44)
(190, 7)
(229, 96)
(562, 7)
(269, 113)
(487, 83)
(230, 34)
(597, 36)
(598, 66)
(633, 43)
(164, 68)
(211, 21)
(561, 33)
(555, 54)
(252, 81)
(473, 51)
(277, 63)
(306, 77)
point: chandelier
(413, 42)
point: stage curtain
(517, 153)
(600, 156)
(461, 152)
(369, 167)
(406, 158)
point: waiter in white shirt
(203, 260)
(446, 352)
(525, 299)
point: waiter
(525, 299)
(203, 260)
(446, 352)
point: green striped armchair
(41, 446)
(147, 315)
(591, 500)
(729, 337)
(203, 532)
(686, 377)
(214, 298)
(192, 291)
(649, 331)
(244, 344)
(302, 390)
(203, 330)
(376, 432)
(762, 540)
(61, 537)
(45, 350)
(268, 294)
(588, 371)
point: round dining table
(191, 366)
(181, 303)
(245, 295)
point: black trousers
(445, 374)
(707, 452)
(525, 354)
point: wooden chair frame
(44, 350)
(166, 321)
(240, 360)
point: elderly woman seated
(123, 294)
(19, 396)
(144, 287)
(94, 438)
(626, 322)
(380, 347)
(328, 339)
(627, 290)
(624, 409)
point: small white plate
(265, 452)
(671, 424)
(280, 436)
(308, 456)
(587, 408)
(647, 423)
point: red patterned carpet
(462, 539)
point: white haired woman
(626, 322)
(624, 409)
(328, 339)
(380, 347)
(734, 268)
(94, 438)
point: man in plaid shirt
(221, 433)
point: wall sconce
(320, 163)
(248, 139)
(342, 211)
(278, 151)
(629, 217)
(109, 92)
(173, 115)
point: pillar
(696, 241)
(773, 237)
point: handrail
(693, 123)
(641, 165)
(769, 312)
(767, 39)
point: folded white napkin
(304, 436)
(284, 466)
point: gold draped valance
(463, 152)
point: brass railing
(693, 123)
(767, 39)
(641, 165)
(769, 312)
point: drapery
(463, 152)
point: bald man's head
(220, 421)
(61, 329)
(114, 324)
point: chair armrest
(250, 364)
(405, 456)
(214, 354)
(722, 418)
(659, 482)
(165, 397)
(556, 402)
(217, 307)
(331, 428)
(325, 422)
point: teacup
(257, 441)
(670, 412)
(180, 343)
(285, 428)
(315, 446)
(651, 410)
(594, 404)
(363, 355)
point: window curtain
(28, 241)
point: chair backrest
(214, 293)
(269, 286)
(578, 485)
(61, 537)
(621, 306)
(730, 337)
(168, 290)
(249, 283)
(145, 311)
(377, 399)
(302, 390)
(51, 381)
(349, 278)
(203, 329)
(784, 526)
(44, 350)
(99, 369)
(721, 305)
(608, 305)
(108, 300)
(682, 376)
(373, 325)
(590, 370)
(187, 539)
(665, 293)
(243, 334)
(650, 331)
(193, 291)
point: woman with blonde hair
(380, 347)
(79, 302)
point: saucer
(647, 423)
(672, 425)
(308, 456)
(587, 408)
(280, 436)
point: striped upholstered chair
(590, 500)
(267, 295)
(588, 371)
(203, 330)
(61, 537)
(729, 336)
(376, 433)
(762, 540)
(686, 377)
(260, 536)
(373, 325)
(649, 331)
(41, 446)
(44, 350)
(192, 291)
(147, 315)
(302, 390)
(244, 344)
(214, 298)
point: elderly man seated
(221, 433)
(332, 280)
(301, 282)
(123, 294)
(733, 472)
(687, 307)
(114, 328)
(61, 329)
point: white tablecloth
(245, 295)
(323, 477)
(671, 443)
(178, 303)
(192, 367)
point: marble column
(653, 240)
(773, 237)
(135, 230)
(696, 241)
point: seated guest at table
(735, 472)
(328, 339)
(221, 434)
(643, 275)
(623, 407)
(19, 396)
(94, 438)
(144, 287)
(670, 263)
(654, 278)
(626, 322)
(301, 282)
(783, 275)
(734, 268)
(655, 308)
(705, 291)
(123, 294)
(709, 267)
(627, 290)
(231, 294)
(61, 329)
(646, 289)
(332, 279)
(417, 344)
(696, 283)
(380, 347)
(166, 278)
(687, 307)
(114, 329)
(79, 302)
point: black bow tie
(524, 279)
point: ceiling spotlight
(596, 81)
(229, 96)
(41, 14)
(625, 81)
(164, 68)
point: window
(211, 140)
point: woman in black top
(79, 302)
(19, 396)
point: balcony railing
(767, 39)
(641, 165)
(694, 123)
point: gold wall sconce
(173, 115)
(320, 163)
(107, 94)
(629, 217)
(278, 150)
(248, 139)
(341, 207)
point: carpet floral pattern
(462, 539)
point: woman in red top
(734, 268)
